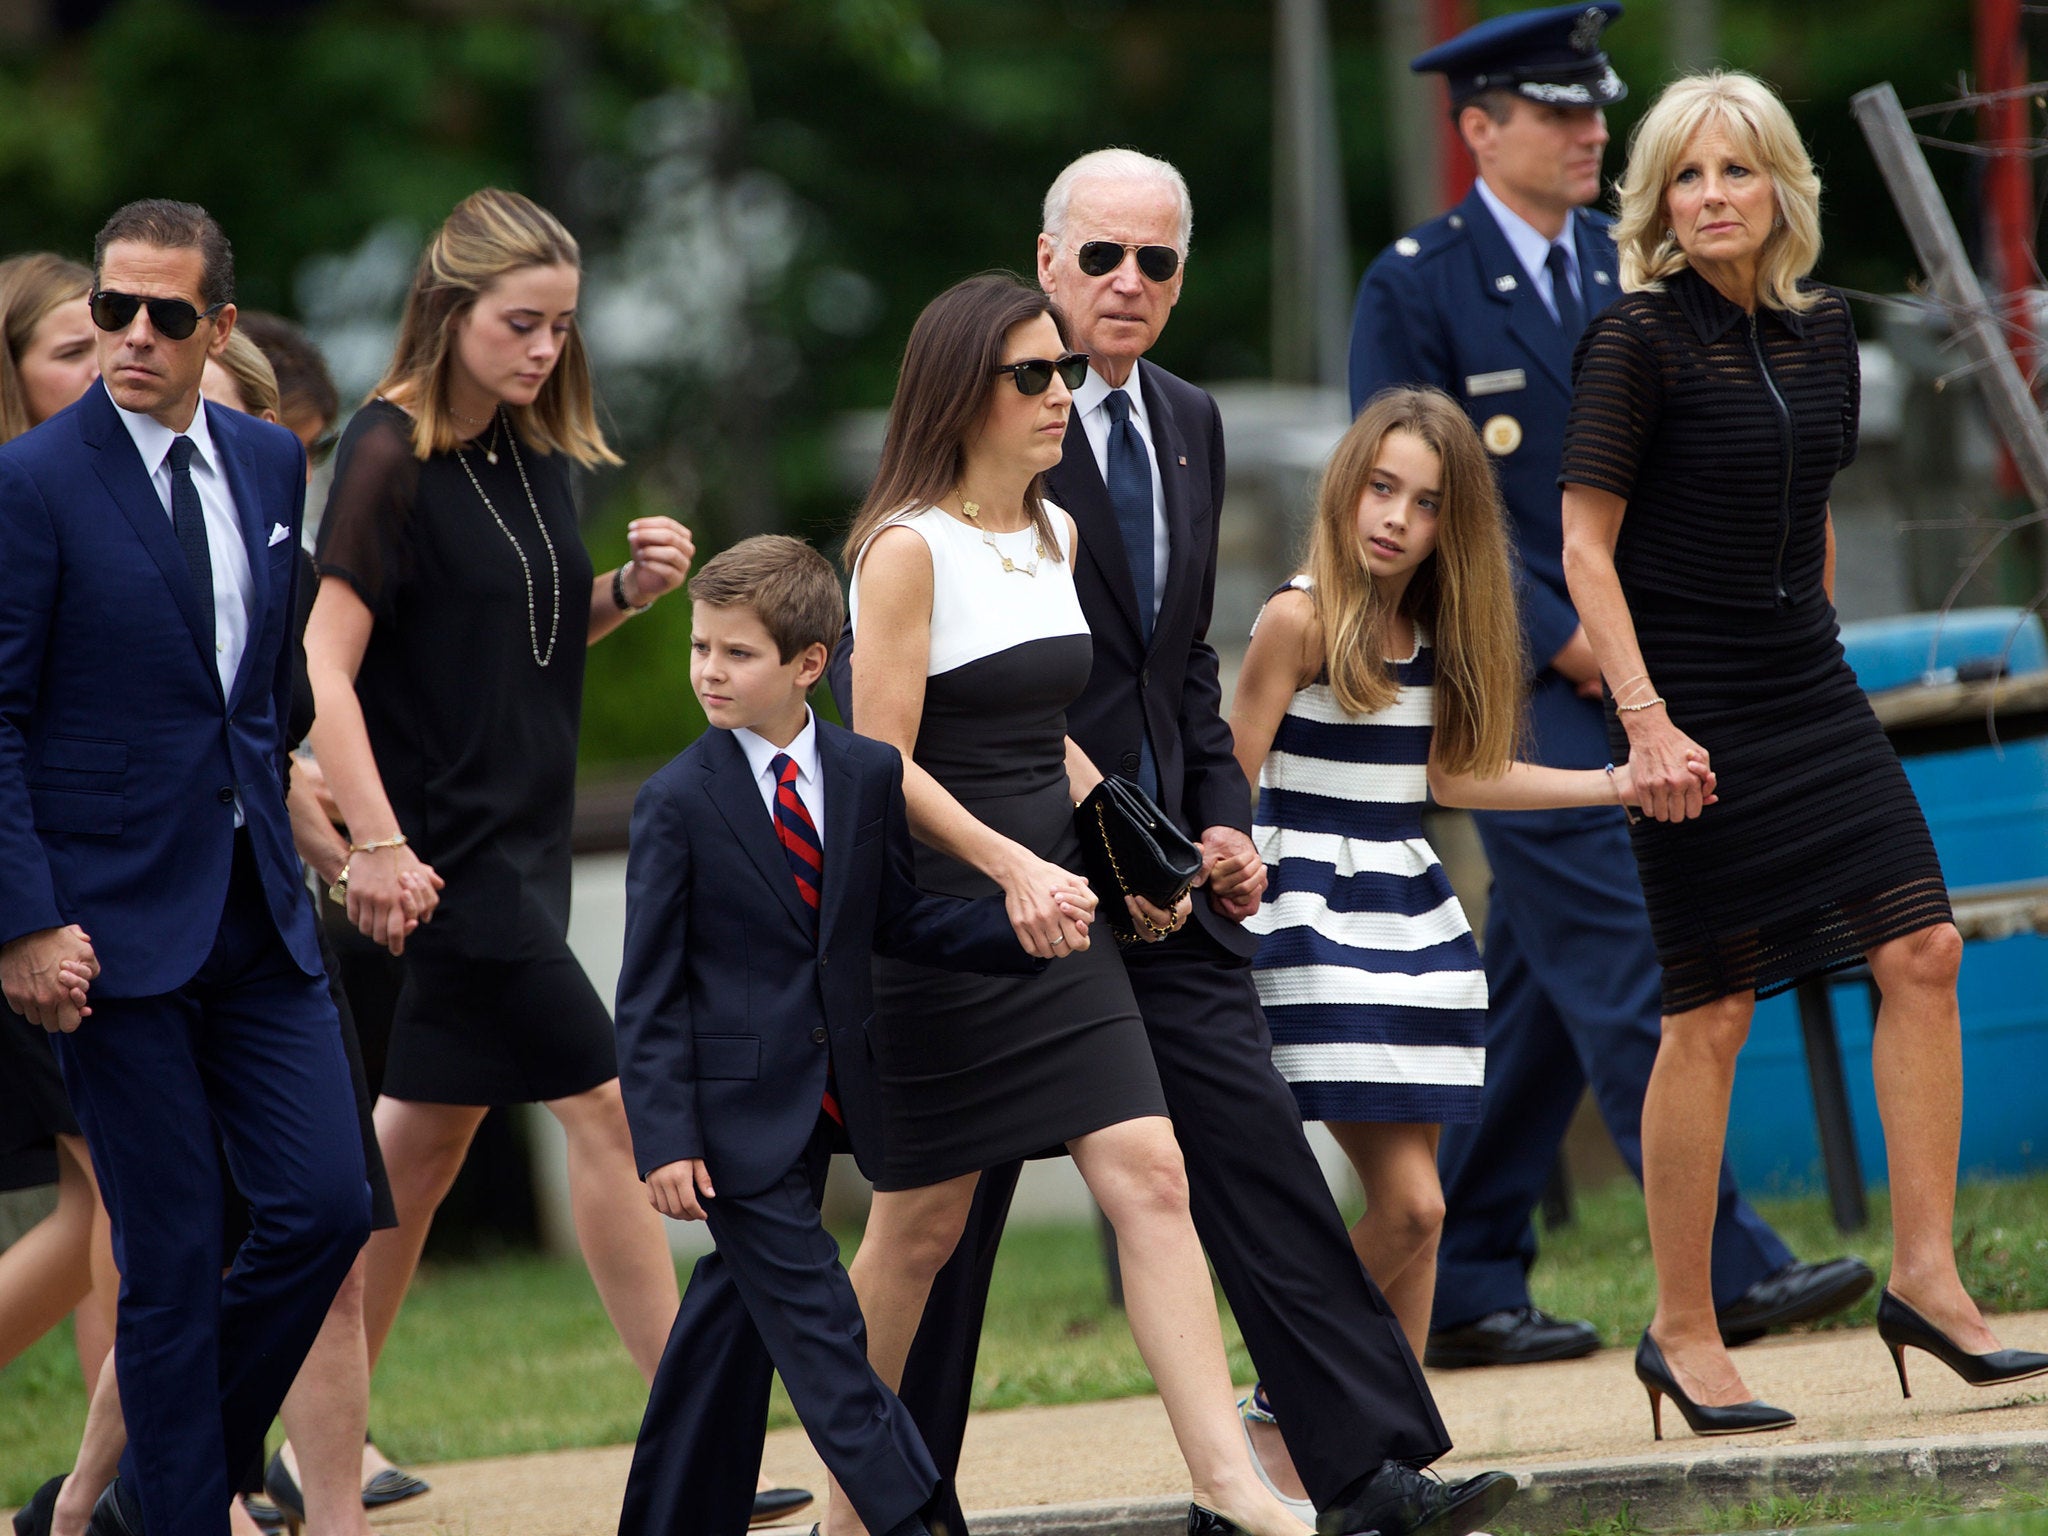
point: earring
(1670, 234)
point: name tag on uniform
(1496, 383)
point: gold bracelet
(1631, 709)
(381, 843)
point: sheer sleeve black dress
(1723, 430)
(471, 688)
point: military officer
(1487, 303)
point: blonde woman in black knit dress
(1713, 404)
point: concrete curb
(1657, 1493)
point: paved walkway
(1580, 1429)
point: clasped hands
(47, 975)
(390, 893)
(1668, 774)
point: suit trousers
(772, 1297)
(1573, 977)
(246, 1057)
(1343, 1382)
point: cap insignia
(1586, 31)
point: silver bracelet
(1630, 709)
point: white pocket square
(278, 534)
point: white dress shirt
(803, 751)
(226, 552)
(1533, 250)
(1091, 405)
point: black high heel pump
(1899, 1326)
(34, 1517)
(1701, 1418)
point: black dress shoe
(1400, 1501)
(118, 1511)
(1519, 1337)
(1798, 1293)
(1701, 1418)
(772, 1504)
(34, 1517)
(1899, 1326)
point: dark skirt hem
(1054, 1145)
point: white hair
(1121, 165)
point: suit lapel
(1076, 484)
(1170, 449)
(119, 467)
(1599, 266)
(729, 780)
(841, 812)
(1509, 285)
(238, 466)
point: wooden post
(1955, 284)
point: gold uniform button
(1502, 435)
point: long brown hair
(30, 287)
(1463, 594)
(942, 393)
(490, 233)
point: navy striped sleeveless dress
(1366, 966)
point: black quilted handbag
(1130, 848)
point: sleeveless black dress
(981, 1070)
(1723, 432)
(476, 743)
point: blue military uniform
(1570, 966)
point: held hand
(662, 552)
(1233, 871)
(1038, 895)
(390, 893)
(1671, 775)
(45, 975)
(678, 1190)
(1625, 783)
(1155, 924)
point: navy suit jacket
(1449, 305)
(1167, 686)
(120, 756)
(729, 1010)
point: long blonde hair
(1463, 594)
(255, 380)
(490, 233)
(30, 287)
(1762, 132)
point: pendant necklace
(540, 657)
(971, 510)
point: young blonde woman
(446, 654)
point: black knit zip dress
(1723, 431)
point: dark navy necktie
(188, 523)
(1571, 312)
(1130, 495)
(798, 835)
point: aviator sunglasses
(173, 318)
(1033, 376)
(1098, 258)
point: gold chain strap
(1109, 847)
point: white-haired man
(1144, 481)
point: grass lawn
(516, 1355)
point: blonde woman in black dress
(446, 651)
(1713, 404)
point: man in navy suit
(1143, 478)
(1487, 304)
(775, 845)
(152, 914)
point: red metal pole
(2008, 183)
(1446, 19)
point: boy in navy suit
(776, 845)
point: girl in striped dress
(1391, 670)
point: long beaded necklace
(971, 510)
(554, 565)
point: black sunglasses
(1099, 258)
(1033, 376)
(173, 318)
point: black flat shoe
(1400, 1501)
(1701, 1418)
(283, 1491)
(1798, 1293)
(118, 1512)
(34, 1517)
(772, 1504)
(1522, 1336)
(269, 1519)
(1899, 1326)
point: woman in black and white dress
(971, 645)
